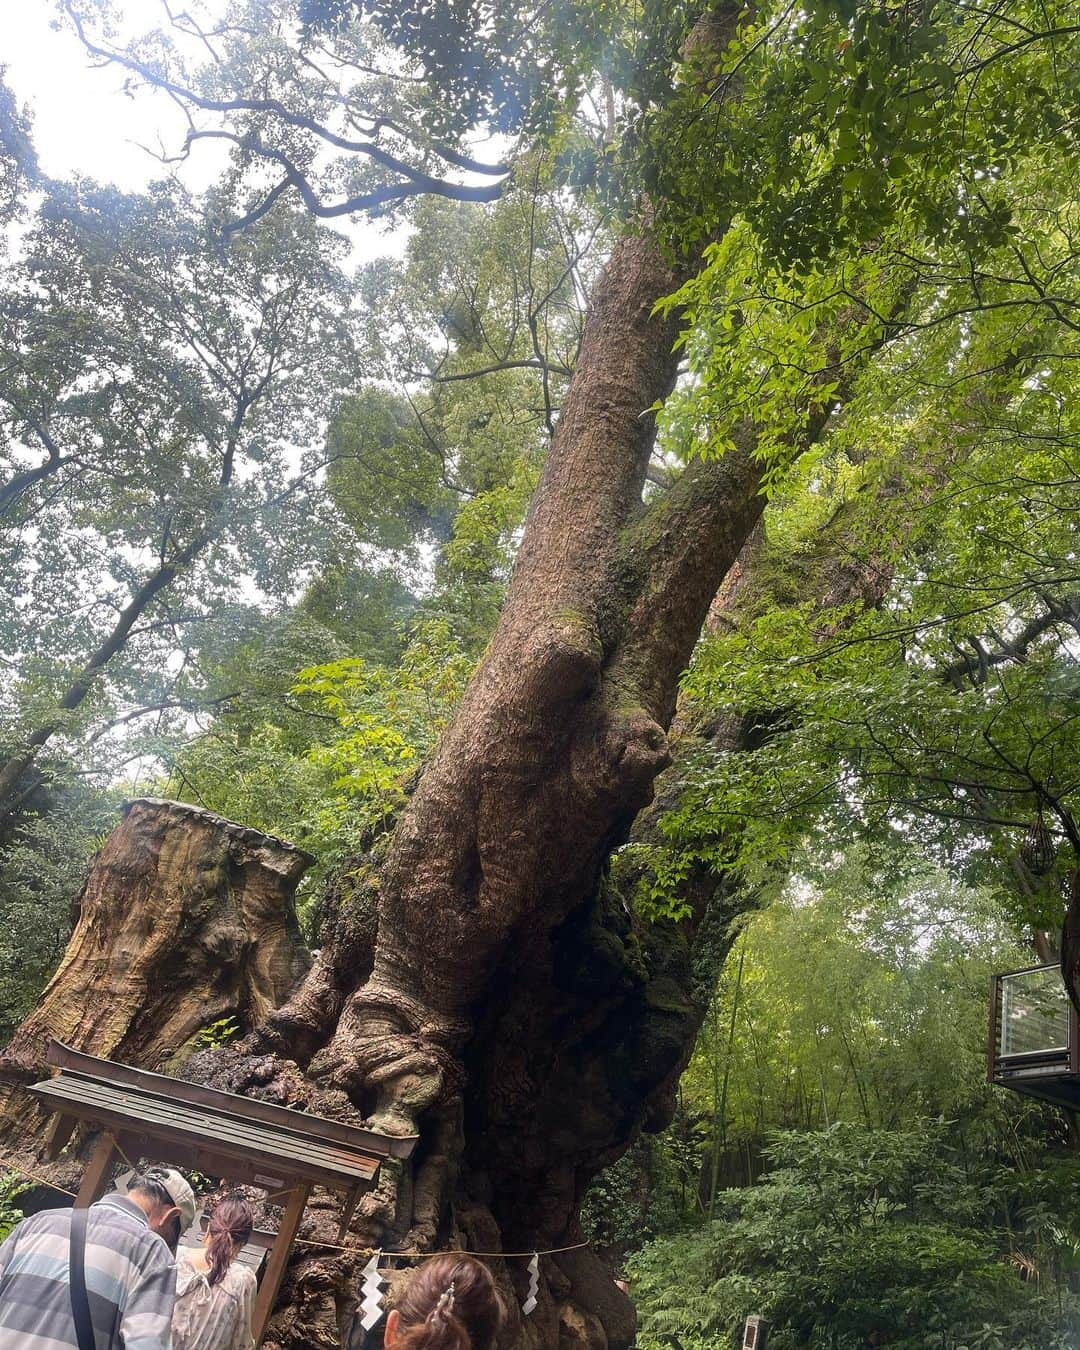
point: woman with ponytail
(449, 1303)
(215, 1293)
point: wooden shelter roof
(220, 1127)
(148, 1115)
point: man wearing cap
(128, 1264)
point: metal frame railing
(1062, 1058)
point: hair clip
(445, 1305)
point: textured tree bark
(185, 918)
(505, 841)
(481, 980)
(576, 1045)
(411, 1016)
(484, 983)
(408, 1019)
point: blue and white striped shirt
(130, 1281)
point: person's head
(449, 1303)
(228, 1229)
(166, 1199)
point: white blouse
(212, 1317)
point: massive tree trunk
(446, 1011)
(185, 919)
(482, 981)
(410, 1017)
(481, 978)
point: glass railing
(1034, 1017)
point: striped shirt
(130, 1281)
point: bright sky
(84, 121)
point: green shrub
(11, 1187)
(854, 1238)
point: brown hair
(450, 1303)
(229, 1228)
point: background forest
(260, 507)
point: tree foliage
(839, 1163)
(862, 997)
(43, 861)
(856, 1237)
(286, 504)
(159, 410)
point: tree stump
(185, 919)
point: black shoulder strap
(80, 1304)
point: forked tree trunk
(410, 1017)
(482, 982)
(185, 919)
(483, 943)
(529, 1059)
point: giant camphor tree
(481, 981)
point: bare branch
(524, 364)
(412, 181)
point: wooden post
(279, 1258)
(348, 1212)
(57, 1136)
(96, 1177)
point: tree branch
(976, 666)
(524, 364)
(414, 182)
(13, 489)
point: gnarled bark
(504, 1003)
(485, 984)
(491, 991)
(185, 918)
(493, 873)
(484, 981)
